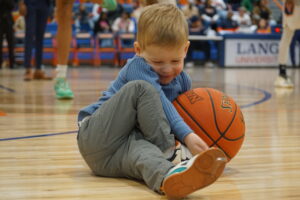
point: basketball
(215, 117)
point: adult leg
(63, 37)
(284, 45)
(298, 42)
(10, 43)
(11, 47)
(292, 51)
(30, 23)
(1, 43)
(41, 22)
(64, 31)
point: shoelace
(62, 84)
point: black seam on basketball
(235, 139)
(229, 139)
(184, 109)
(222, 134)
(214, 110)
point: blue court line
(35, 136)
(267, 96)
(7, 89)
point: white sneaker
(189, 176)
(209, 64)
(283, 82)
(181, 153)
(189, 64)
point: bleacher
(88, 48)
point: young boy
(130, 132)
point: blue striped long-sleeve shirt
(137, 69)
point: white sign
(251, 52)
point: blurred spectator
(114, 14)
(137, 12)
(243, 19)
(234, 4)
(209, 14)
(190, 10)
(83, 19)
(229, 23)
(221, 7)
(248, 4)
(261, 11)
(19, 25)
(102, 25)
(36, 14)
(219, 4)
(6, 29)
(199, 4)
(123, 24)
(263, 27)
(196, 27)
(96, 12)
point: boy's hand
(195, 144)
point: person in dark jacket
(6, 29)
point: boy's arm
(194, 143)
(139, 70)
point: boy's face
(166, 62)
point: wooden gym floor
(39, 158)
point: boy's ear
(186, 48)
(137, 48)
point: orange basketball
(215, 117)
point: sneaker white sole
(206, 169)
(284, 86)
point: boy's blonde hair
(163, 25)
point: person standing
(291, 16)
(36, 14)
(63, 37)
(6, 29)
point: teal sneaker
(109, 4)
(194, 174)
(62, 89)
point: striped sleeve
(185, 82)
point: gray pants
(126, 136)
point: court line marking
(35, 136)
(267, 96)
(7, 89)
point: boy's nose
(167, 68)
